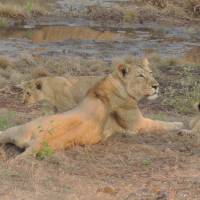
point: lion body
(109, 106)
(194, 125)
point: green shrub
(45, 152)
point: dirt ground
(140, 167)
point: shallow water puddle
(62, 33)
(97, 42)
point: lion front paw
(174, 126)
(185, 132)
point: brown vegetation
(19, 9)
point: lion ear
(197, 106)
(123, 70)
(38, 85)
(146, 62)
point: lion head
(32, 92)
(137, 78)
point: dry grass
(21, 10)
(135, 10)
(4, 62)
(179, 79)
(39, 72)
(10, 10)
(28, 67)
(3, 82)
(145, 10)
(98, 12)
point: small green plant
(3, 123)
(146, 162)
(6, 119)
(129, 16)
(45, 151)
(3, 23)
(29, 6)
(29, 34)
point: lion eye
(141, 76)
(28, 93)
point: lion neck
(112, 93)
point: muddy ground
(80, 38)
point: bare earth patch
(141, 167)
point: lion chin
(153, 97)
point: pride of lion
(110, 106)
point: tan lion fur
(194, 126)
(63, 93)
(108, 107)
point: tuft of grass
(159, 3)
(11, 11)
(146, 163)
(21, 10)
(5, 120)
(3, 123)
(3, 23)
(129, 16)
(35, 8)
(29, 34)
(173, 10)
(148, 12)
(29, 6)
(99, 12)
(45, 152)
(3, 82)
(4, 62)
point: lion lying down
(109, 106)
(62, 93)
(194, 126)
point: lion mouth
(154, 96)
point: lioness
(194, 126)
(62, 93)
(102, 111)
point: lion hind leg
(31, 150)
(15, 136)
(4, 138)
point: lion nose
(155, 87)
